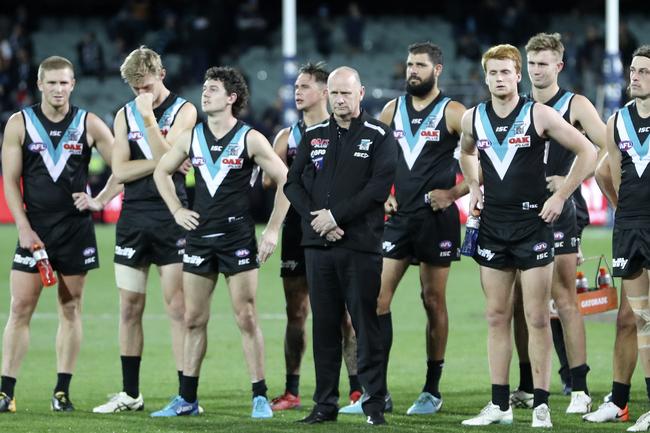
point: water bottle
(582, 284)
(471, 236)
(48, 278)
(604, 279)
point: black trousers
(339, 277)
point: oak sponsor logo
(431, 134)
(233, 163)
(520, 141)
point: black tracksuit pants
(340, 277)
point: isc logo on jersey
(36, 147)
(625, 145)
(519, 141)
(431, 134)
(233, 163)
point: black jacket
(351, 176)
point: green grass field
(224, 390)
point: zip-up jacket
(350, 174)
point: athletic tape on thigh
(131, 279)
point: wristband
(149, 122)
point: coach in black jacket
(338, 183)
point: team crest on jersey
(74, 134)
(483, 144)
(198, 161)
(365, 144)
(36, 147)
(519, 141)
(519, 128)
(233, 150)
(135, 135)
(625, 145)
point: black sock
(620, 394)
(526, 377)
(434, 371)
(292, 385)
(131, 375)
(647, 386)
(63, 383)
(579, 378)
(189, 386)
(355, 385)
(386, 329)
(180, 380)
(7, 385)
(540, 397)
(501, 396)
(259, 388)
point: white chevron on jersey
(213, 173)
(54, 159)
(294, 136)
(562, 104)
(501, 154)
(137, 130)
(637, 151)
(412, 145)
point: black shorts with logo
(229, 250)
(143, 238)
(565, 230)
(427, 236)
(70, 245)
(292, 256)
(630, 251)
(514, 245)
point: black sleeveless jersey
(142, 194)
(632, 136)
(426, 152)
(512, 159)
(55, 164)
(296, 132)
(225, 172)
